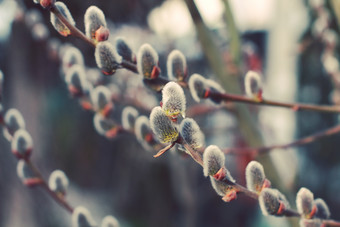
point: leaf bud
(124, 50)
(213, 160)
(129, 116)
(162, 126)
(253, 85)
(58, 182)
(47, 3)
(27, 175)
(22, 144)
(107, 58)
(59, 25)
(192, 133)
(14, 121)
(322, 209)
(94, 20)
(76, 80)
(255, 177)
(305, 203)
(144, 133)
(272, 202)
(177, 66)
(81, 217)
(173, 101)
(147, 62)
(101, 100)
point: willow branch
(60, 200)
(306, 140)
(294, 106)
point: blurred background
(293, 43)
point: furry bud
(255, 177)
(223, 189)
(57, 24)
(81, 217)
(107, 58)
(22, 144)
(58, 182)
(322, 209)
(272, 202)
(124, 50)
(176, 66)
(77, 81)
(144, 133)
(253, 84)
(101, 100)
(173, 100)
(14, 121)
(213, 160)
(192, 133)
(110, 221)
(27, 175)
(197, 87)
(72, 56)
(162, 126)
(129, 116)
(305, 203)
(147, 62)
(94, 19)
(105, 127)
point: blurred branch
(306, 140)
(235, 42)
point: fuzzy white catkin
(213, 160)
(124, 50)
(254, 176)
(58, 181)
(304, 201)
(147, 58)
(252, 83)
(107, 58)
(24, 172)
(72, 56)
(14, 120)
(76, 76)
(270, 199)
(1, 82)
(100, 97)
(176, 65)
(142, 127)
(192, 133)
(173, 99)
(57, 24)
(196, 86)
(322, 209)
(162, 126)
(81, 217)
(94, 18)
(220, 187)
(129, 116)
(110, 221)
(101, 124)
(22, 142)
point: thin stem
(302, 141)
(44, 185)
(74, 31)
(331, 223)
(294, 106)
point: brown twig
(45, 186)
(294, 106)
(302, 141)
